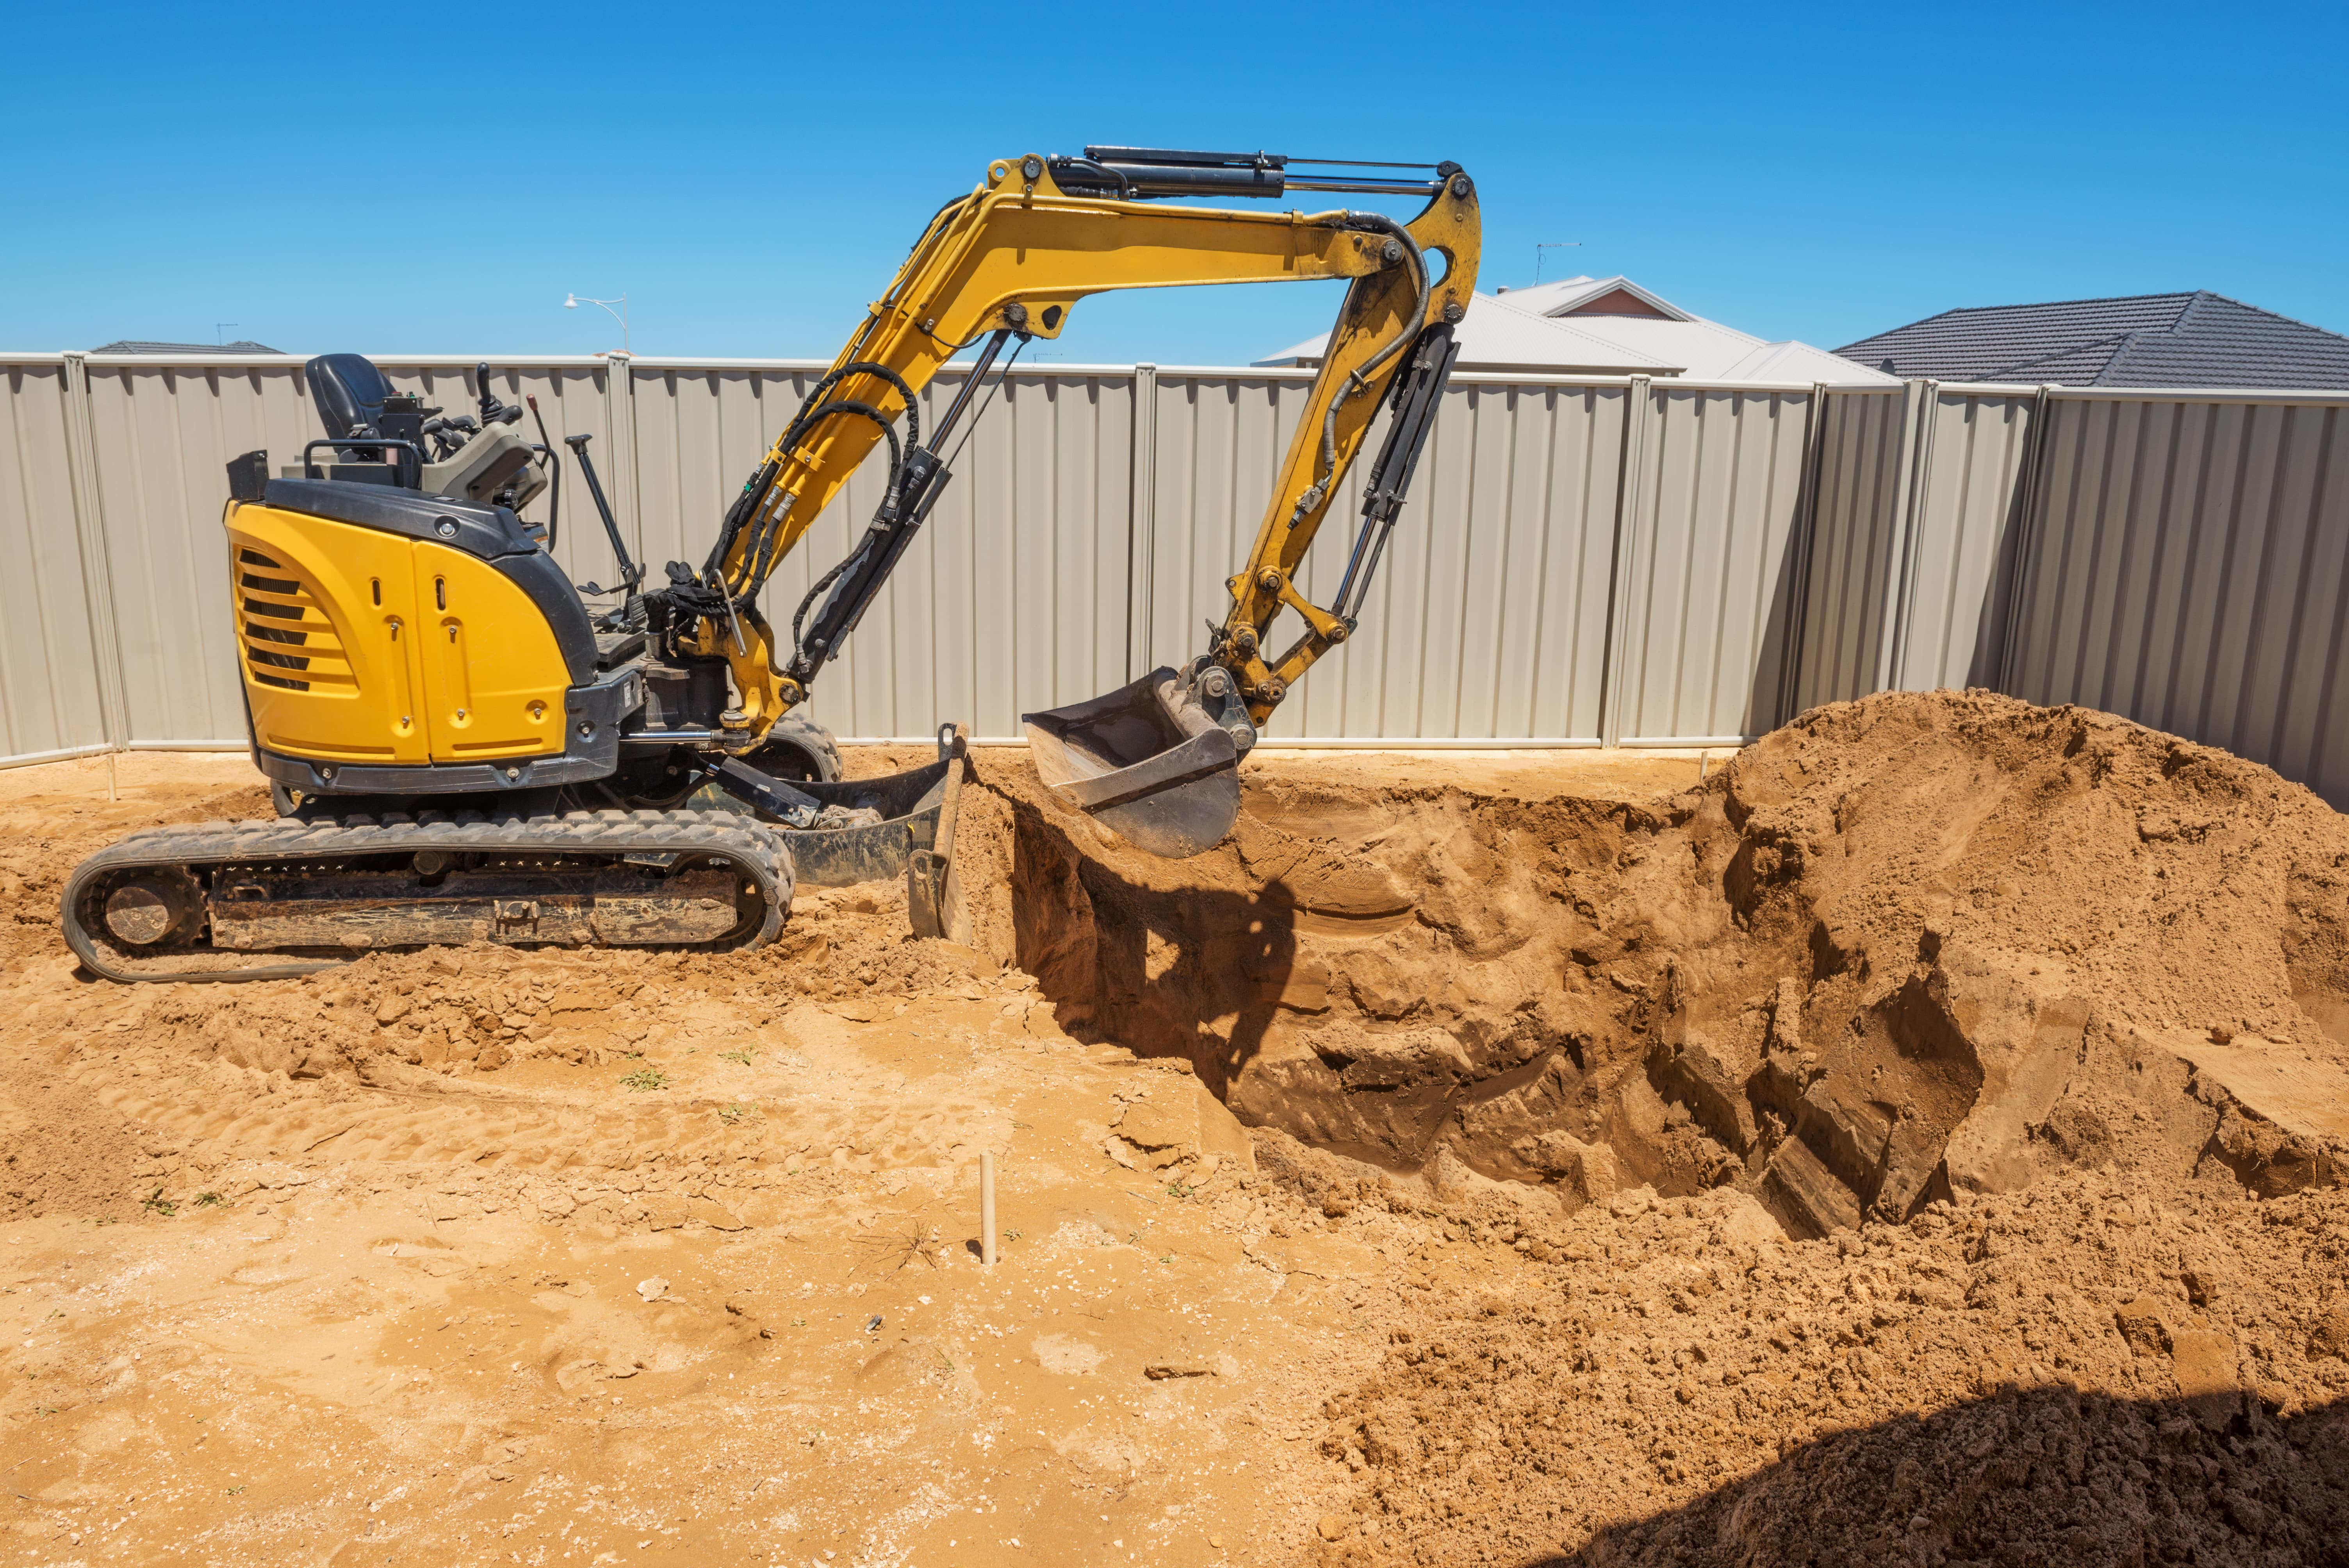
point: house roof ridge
(2067, 352)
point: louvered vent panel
(288, 641)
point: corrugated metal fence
(1585, 561)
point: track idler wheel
(151, 908)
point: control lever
(492, 411)
(630, 573)
(554, 473)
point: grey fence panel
(1014, 596)
(1966, 522)
(1218, 441)
(1487, 620)
(1523, 517)
(1855, 538)
(1714, 541)
(49, 695)
(1045, 511)
(163, 437)
(1581, 561)
(2185, 569)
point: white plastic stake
(987, 1208)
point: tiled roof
(2145, 340)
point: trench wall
(1584, 561)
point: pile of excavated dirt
(1920, 1141)
(1888, 1118)
(1903, 949)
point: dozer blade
(1145, 761)
(895, 825)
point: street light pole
(573, 302)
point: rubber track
(758, 851)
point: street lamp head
(571, 302)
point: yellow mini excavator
(466, 747)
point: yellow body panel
(494, 675)
(364, 646)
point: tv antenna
(1553, 245)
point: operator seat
(350, 392)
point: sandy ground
(624, 1257)
(265, 1317)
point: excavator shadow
(1196, 972)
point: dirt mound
(2080, 1374)
(1910, 947)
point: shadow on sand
(2042, 1476)
(1196, 972)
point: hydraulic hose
(753, 574)
(755, 567)
(804, 417)
(811, 409)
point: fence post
(1142, 522)
(1806, 531)
(1629, 499)
(96, 571)
(620, 417)
(2026, 528)
(1916, 400)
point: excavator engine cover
(1146, 760)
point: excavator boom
(1010, 262)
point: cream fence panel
(1583, 560)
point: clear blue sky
(436, 177)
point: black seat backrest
(348, 390)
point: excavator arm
(1010, 261)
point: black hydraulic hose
(962, 400)
(755, 491)
(755, 567)
(856, 367)
(888, 502)
(1108, 176)
(799, 616)
(752, 578)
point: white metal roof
(1533, 329)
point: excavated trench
(1904, 948)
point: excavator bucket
(1146, 760)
